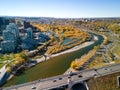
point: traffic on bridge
(63, 80)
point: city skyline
(60, 8)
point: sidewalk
(2, 72)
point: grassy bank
(97, 62)
(107, 82)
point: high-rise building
(29, 33)
(26, 24)
(13, 29)
(8, 36)
(11, 38)
(3, 23)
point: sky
(60, 8)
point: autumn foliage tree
(9, 69)
(74, 65)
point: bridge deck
(62, 80)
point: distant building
(29, 44)
(29, 39)
(42, 37)
(19, 23)
(26, 24)
(3, 23)
(29, 33)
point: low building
(29, 44)
(42, 37)
(8, 46)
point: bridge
(66, 80)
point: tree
(9, 69)
(24, 56)
(96, 47)
(21, 58)
(73, 65)
(17, 62)
(106, 40)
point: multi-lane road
(62, 80)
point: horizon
(61, 8)
(56, 17)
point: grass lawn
(5, 57)
(97, 62)
(1, 65)
(117, 49)
(107, 82)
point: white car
(33, 87)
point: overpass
(69, 79)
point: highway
(62, 80)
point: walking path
(2, 72)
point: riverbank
(95, 38)
(81, 62)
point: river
(55, 66)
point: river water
(55, 66)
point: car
(69, 76)
(59, 78)
(72, 74)
(80, 76)
(95, 69)
(95, 75)
(54, 80)
(33, 87)
(105, 68)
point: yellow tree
(73, 64)
(20, 58)
(9, 69)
